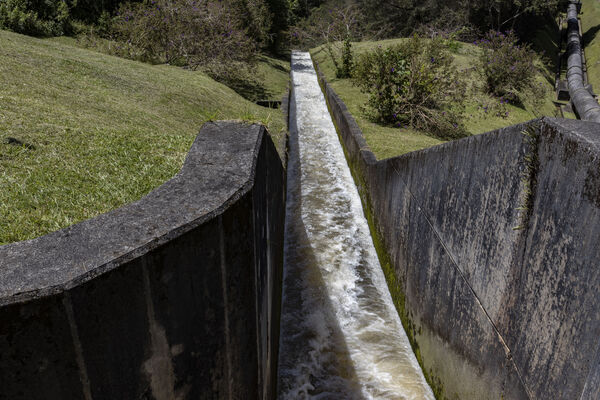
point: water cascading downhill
(341, 337)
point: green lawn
(590, 26)
(388, 142)
(106, 131)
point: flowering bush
(507, 66)
(414, 84)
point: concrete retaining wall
(494, 239)
(176, 296)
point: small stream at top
(341, 337)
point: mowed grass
(590, 26)
(106, 131)
(388, 141)
(274, 74)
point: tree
(334, 28)
(36, 17)
(199, 34)
(401, 17)
(280, 23)
(507, 14)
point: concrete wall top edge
(509, 130)
(369, 157)
(218, 169)
(581, 131)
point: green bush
(413, 84)
(508, 67)
(36, 17)
(210, 35)
(345, 70)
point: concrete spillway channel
(341, 337)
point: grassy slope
(274, 75)
(269, 81)
(387, 142)
(106, 131)
(590, 25)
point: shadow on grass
(275, 65)
(249, 88)
(590, 34)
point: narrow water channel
(341, 337)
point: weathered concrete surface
(176, 296)
(496, 311)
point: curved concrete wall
(587, 107)
(495, 241)
(176, 296)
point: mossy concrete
(492, 311)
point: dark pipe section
(586, 106)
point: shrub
(35, 17)
(334, 28)
(508, 67)
(415, 84)
(197, 34)
(345, 70)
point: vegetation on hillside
(508, 68)
(401, 17)
(482, 111)
(590, 24)
(405, 93)
(95, 132)
(414, 83)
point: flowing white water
(341, 337)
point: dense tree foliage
(401, 17)
(280, 23)
(36, 17)
(262, 20)
(90, 10)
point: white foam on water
(341, 337)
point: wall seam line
(225, 307)
(83, 374)
(256, 316)
(463, 277)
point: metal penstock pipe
(587, 107)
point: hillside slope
(590, 25)
(103, 131)
(388, 141)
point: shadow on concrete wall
(175, 296)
